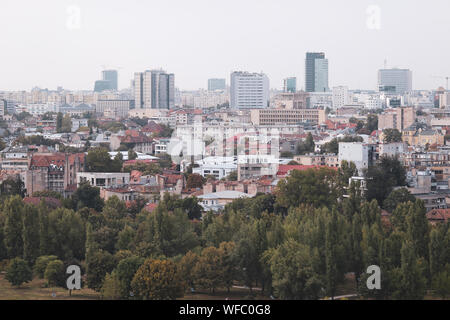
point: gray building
(154, 89)
(112, 77)
(395, 81)
(216, 84)
(316, 72)
(290, 85)
(249, 90)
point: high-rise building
(290, 85)
(316, 72)
(395, 81)
(154, 89)
(112, 77)
(216, 84)
(340, 97)
(249, 90)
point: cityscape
(248, 188)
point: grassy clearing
(35, 290)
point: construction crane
(441, 77)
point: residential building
(104, 179)
(398, 118)
(340, 97)
(361, 154)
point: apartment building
(287, 116)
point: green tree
(18, 272)
(383, 177)
(401, 195)
(158, 280)
(112, 287)
(55, 273)
(41, 264)
(30, 234)
(132, 155)
(14, 211)
(125, 270)
(98, 264)
(99, 160)
(292, 272)
(312, 186)
(307, 146)
(392, 135)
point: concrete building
(249, 90)
(395, 81)
(340, 97)
(218, 167)
(116, 108)
(287, 116)
(361, 154)
(104, 179)
(398, 118)
(217, 200)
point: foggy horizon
(43, 46)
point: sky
(50, 43)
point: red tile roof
(438, 215)
(52, 203)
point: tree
(66, 124)
(18, 272)
(307, 146)
(98, 264)
(383, 177)
(158, 280)
(132, 155)
(13, 210)
(112, 287)
(41, 264)
(312, 186)
(99, 160)
(125, 270)
(441, 283)
(195, 181)
(292, 271)
(412, 286)
(401, 195)
(208, 270)
(117, 163)
(372, 122)
(392, 135)
(87, 196)
(187, 268)
(55, 273)
(30, 234)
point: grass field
(35, 290)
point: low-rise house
(104, 179)
(217, 200)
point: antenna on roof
(385, 63)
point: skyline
(44, 42)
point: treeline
(296, 244)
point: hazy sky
(42, 44)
